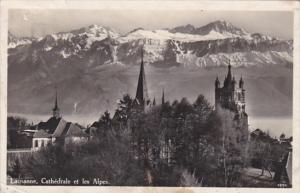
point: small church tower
(55, 110)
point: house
(58, 131)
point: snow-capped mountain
(221, 27)
(205, 46)
(14, 41)
(89, 62)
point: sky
(39, 23)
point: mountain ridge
(95, 65)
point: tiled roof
(95, 124)
(75, 130)
(50, 125)
(60, 128)
(41, 134)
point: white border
(148, 5)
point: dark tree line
(172, 144)
(15, 139)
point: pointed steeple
(154, 102)
(217, 82)
(228, 78)
(55, 105)
(55, 110)
(241, 83)
(163, 97)
(142, 92)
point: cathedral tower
(232, 97)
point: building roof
(75, 131)
(60, 128)
(50, 125)
(41, 134)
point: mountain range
(93, 66)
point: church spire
(142, 92)
(241, 83)
(163, 97)
(55, 105)
(217, 82)
(228, 78)
(55, 110)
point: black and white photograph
(159, 98)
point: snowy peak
(75, 41)
(185, 45)
(222, 27)
(219, 27)
(96, 30)
(14, 41)
(188, 29)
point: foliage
(265, 149)
(151, 147)
(15, 139)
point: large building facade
(231, 97)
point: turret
(241, 83)
(233, 83)
(217, 83)
(228, 78)
(163, 97)
(154, 102)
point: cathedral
(231, 97)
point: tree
(123, 112)
(282, 136)
(232, 152)
(15, 171)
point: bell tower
(232, 97)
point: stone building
(231, 97)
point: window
(36, 143)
